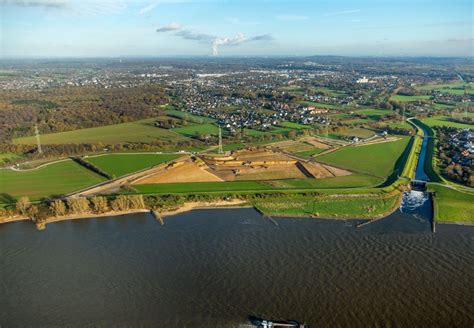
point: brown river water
(214, 268)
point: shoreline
(190, 206)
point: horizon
(229, 28)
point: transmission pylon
(220, 150)
(38, 141)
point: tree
(99, 204)
(58, 208)
(121, 203)
(136, 202)
(32, 212)
(22, 205)
(78, 205)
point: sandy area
(187, 172)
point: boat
(266, 323)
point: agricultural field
(445, 121)
(451, 205)
(378, 160)
(402, 98)
(53, 179)
(357, 132)
(456, 88)
(139, 131)
(121, 164)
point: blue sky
(89, 28)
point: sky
(157, 28)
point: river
(214, 268)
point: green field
(378, 160)
(445, 121)
(350, 181)
(293, 125)
(309, 153)
(189, 117)
(139, 131)
(202, 129)
(455, 88)
(400, 125)
(8, 157)
(330, 92)
(54, 179)
(402, 98)
(451, 205)
(374, 114)
(121, 164)
(186, 188)
(299, 205)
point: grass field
(374, 114)
(455, 88)
(189, 117)
(139, 131)
(402, 125)
(293, 125)
(378, 160)
(299, 205)
(330, 92)
(445, 121)
(203, 129)
(451, 205)
(402, 98)
(186, 188)
(349, 181)
(309, 153)
(8, 157)
(122, 164)
(54, 179)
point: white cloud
(170, 27)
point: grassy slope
(378, 160)
(55, 179)
(139, 131)
(346, 207)
(250, 186)
(451, 205)
(122, 164)
(8, 156)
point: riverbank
(233, 203)
(186, 207)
